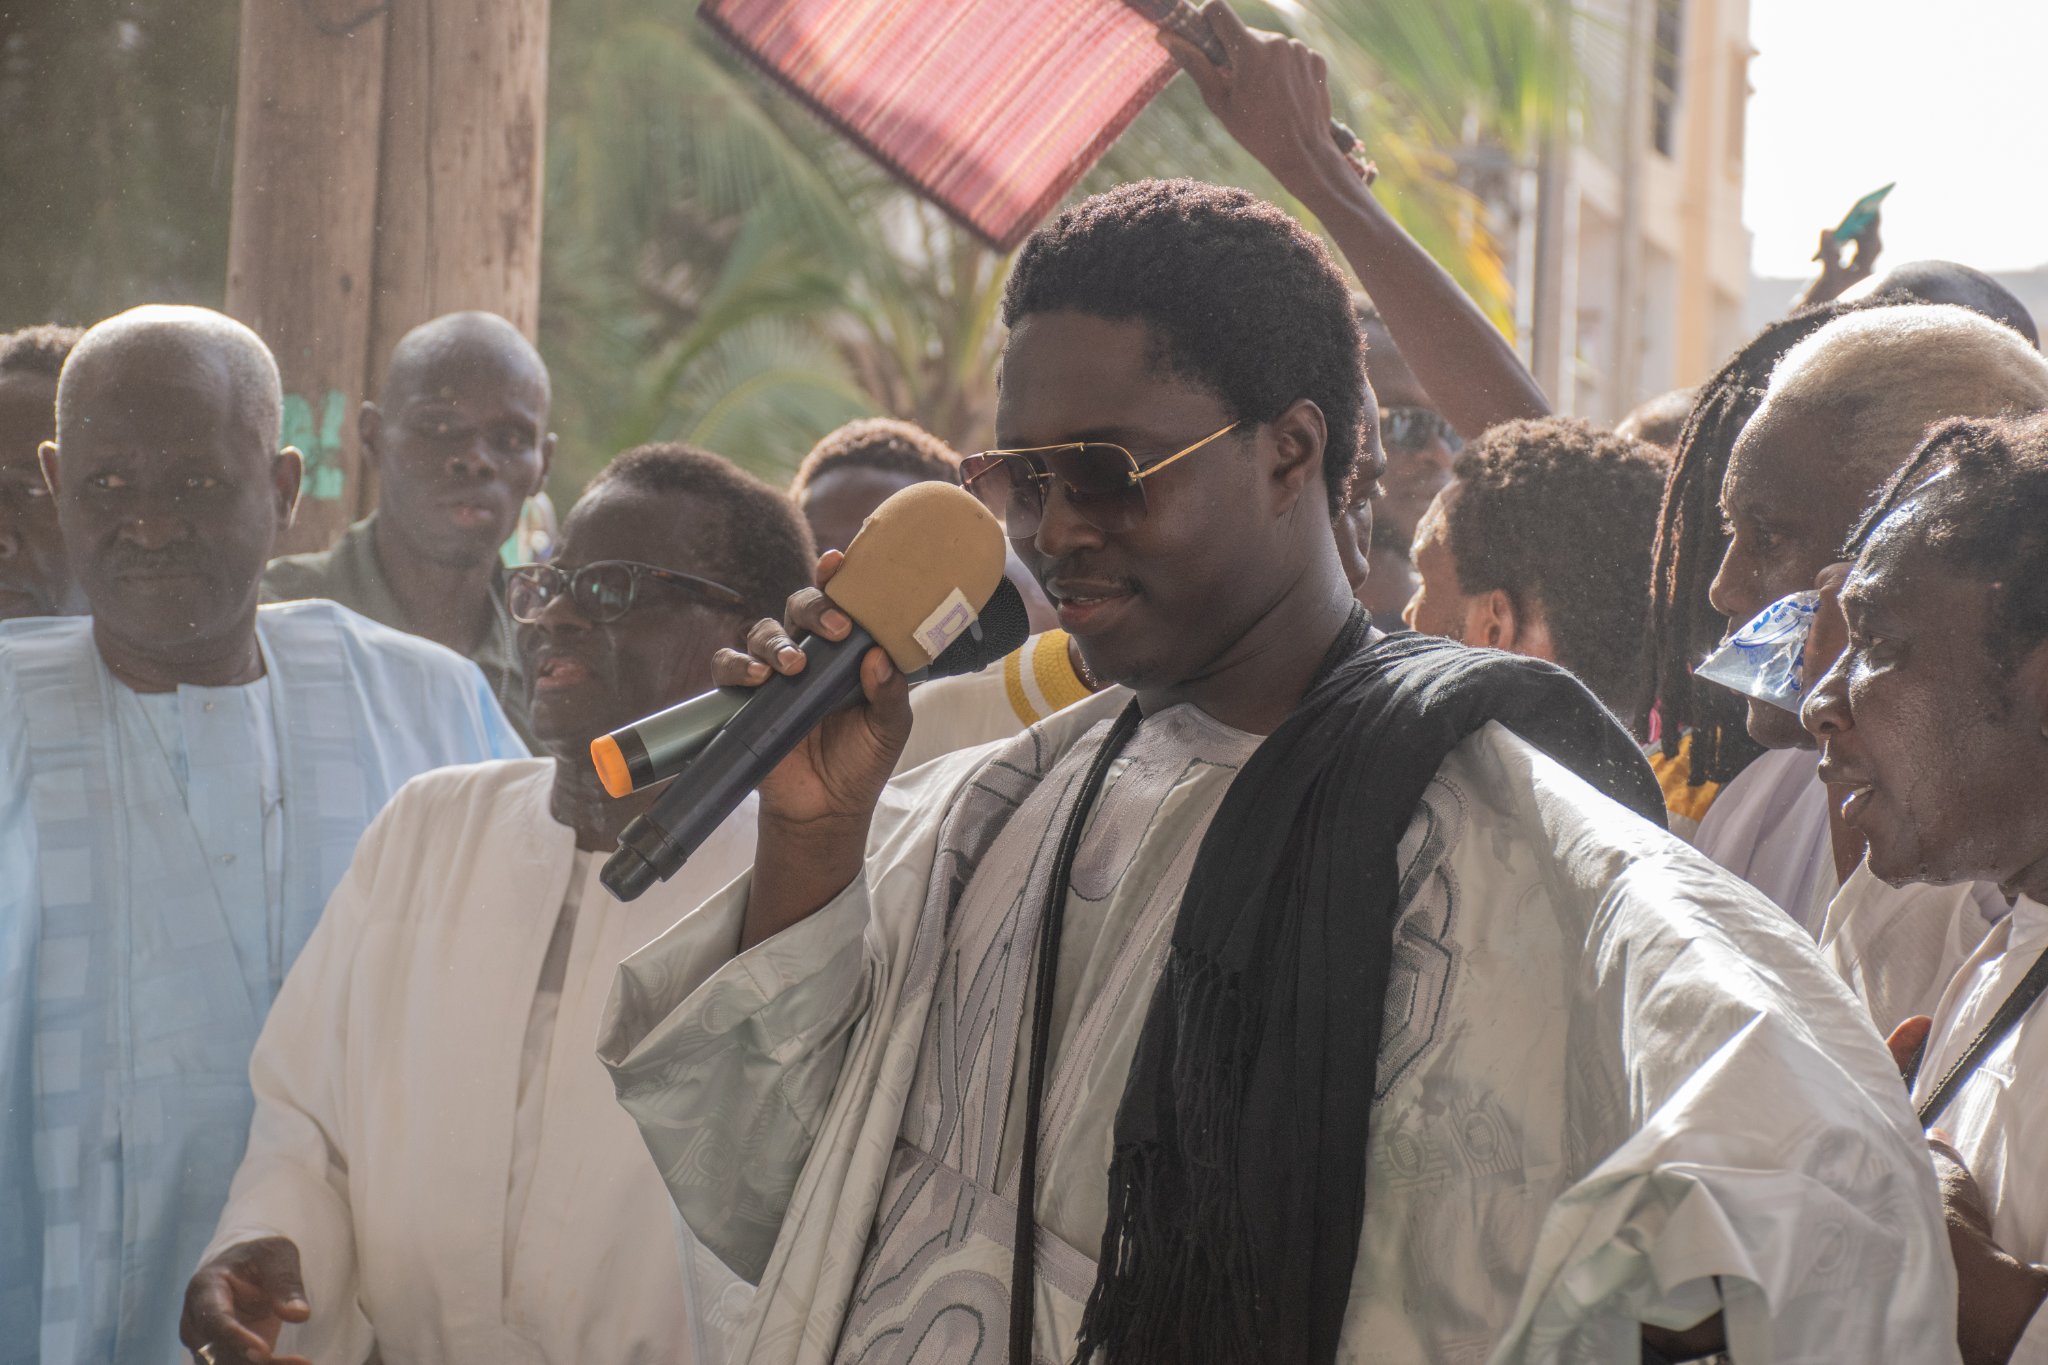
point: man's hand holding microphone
(817, 803)
(815, 711)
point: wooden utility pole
(387, 170)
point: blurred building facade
(1632, 271)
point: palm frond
(721, 267)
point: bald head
(1950, 282)
(159, 347)
(1843, 411)
(465, 343)
(459, 437)
(171, 489)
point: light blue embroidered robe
(140, 950)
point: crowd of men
(1347, 930)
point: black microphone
(915, 581)
(659, 746)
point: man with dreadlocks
(1324, 997)
(1702, 742)
(1934, 724)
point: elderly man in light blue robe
(182, 782)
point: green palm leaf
(721, 267)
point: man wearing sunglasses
(1047, 673)
(436, 1164)
(1305, 995)
(1421, 446)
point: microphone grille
(1004, 625)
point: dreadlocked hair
(1986, 518)
(1691, 539)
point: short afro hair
(1988, 514)
(1239, 299)
(880, 443)
(38, 350)
(1563, 515)
(758, 545)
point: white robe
(386, 1081)
(1611, 1074)
(1769, 826)
(1898, 947)
(1999, 1119)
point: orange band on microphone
(611, 766)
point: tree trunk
(302, 230)
(387, 170)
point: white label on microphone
(945, 625)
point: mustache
(1084, 567)
(125, 560)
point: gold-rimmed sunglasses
(1102, 481)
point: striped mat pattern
(992, 109)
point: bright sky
(1943, 96)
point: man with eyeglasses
(1305, 997)
(459, 439)
(183, 776)
(436, 1167)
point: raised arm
(1274, 100)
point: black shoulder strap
(2000, 1024)
(1024, 1247)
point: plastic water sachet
(1763, 659)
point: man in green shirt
(459, 439)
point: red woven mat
(992, 109)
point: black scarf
(1237, 1189)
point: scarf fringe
(1174, 1285)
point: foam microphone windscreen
(921, 569)
(1005, 626)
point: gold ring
(205, 1354)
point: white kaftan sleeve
(293, 1180)
(1774, 1172)
(1898, 947)
(1767, 1163)
(728, 1063)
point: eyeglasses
(1405, 430)
(603, 591)
(1102, 481)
